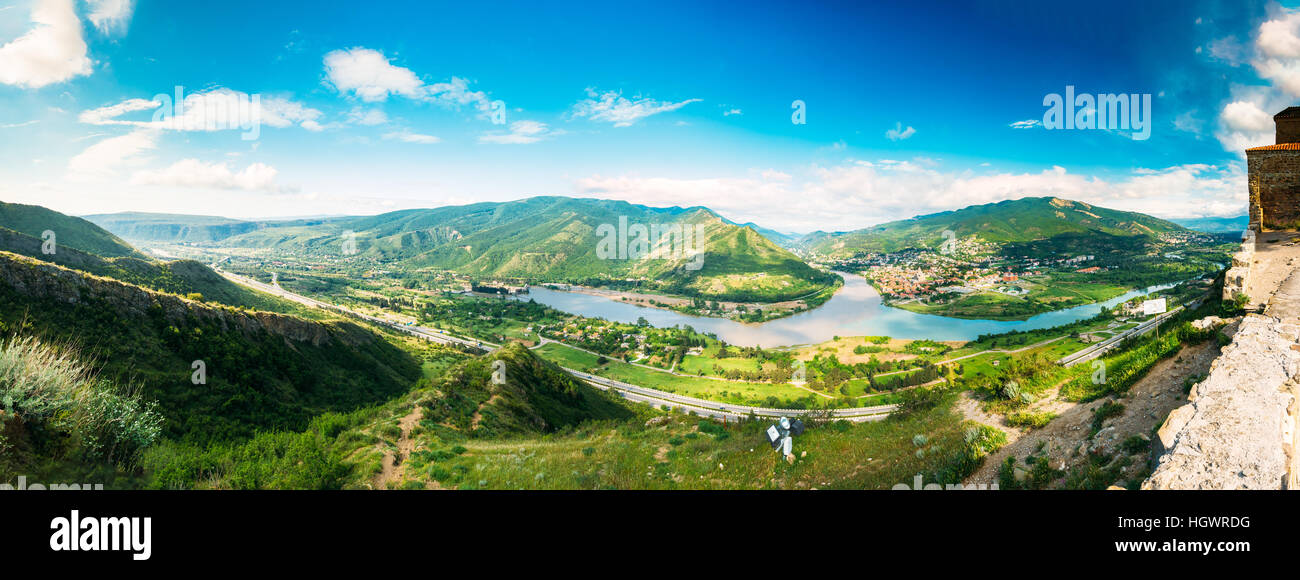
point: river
(855, 310)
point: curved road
(628, 391)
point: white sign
(1156, 306)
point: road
(1105, 346)
(628, 391)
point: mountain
(173, 228)
(1013, 221)
(262, 370)
(181, 277)
(1216, 225)
(532, 396)
(69, 232)
(559, 239)
(782, 239)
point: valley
(853, 363)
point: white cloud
(1246, 116)
(368, 74)
(409, 137)
(858, 194)
(215, 110)
(1026, 124)
(110, 16)
(372, 77)
(106, 156)
(612, 107)
(456, 93)
(521, 132)
(730, 112)
(360, 116)
(1245, 120)
(52, 52)
(898, 133)
(192, 173)
(1188, 121)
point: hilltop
(163, 227)
(69, 232)
(556, 239)
(123, 262)
(1013, 221)
(262, 370)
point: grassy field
(686, 452)
(735, 392)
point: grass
(735, 392)
(45, 388)
(689, 453)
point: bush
(1135, 444)
(1029, 419)
(1105, 411)
(47, 385)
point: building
(1274, 176)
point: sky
(362, 108)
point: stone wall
(1274, 183)
(1237, 278)
(1237, 430)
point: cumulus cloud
(110, 16)
(861, 193)
(521, 132)
(192, 173)
(898, 133)
(613, 107)
(52, 52)
(1246, 120)
(372, 77)
(107, 156)
(1246, 116)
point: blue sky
(910, 108)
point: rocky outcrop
(1235, 432)
(1237, 278)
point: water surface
(855, 310)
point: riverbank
(856, 309)
(743, 312)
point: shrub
(43, 384)
(1105, 411)
(1029, 419)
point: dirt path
(394, 466)
(1065, 441)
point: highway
(628, 391)
(1105, 346)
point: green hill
(182, 277)
(69, 232)
(557, 239)
(1013, 221)
(534, 396)
(263, 370)
(171, 227)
